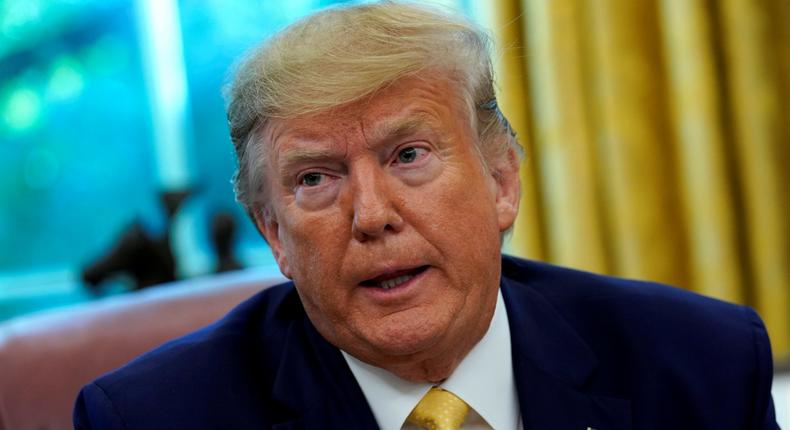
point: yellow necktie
(439, 410)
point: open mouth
(393, 279)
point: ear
(269, 228)
(508, 189)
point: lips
(392, 279)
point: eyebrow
(297, 156)
(383, 132)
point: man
(373, 159)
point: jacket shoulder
(660, 345)
(586, 298)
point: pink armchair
(46, 358)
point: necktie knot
(439, 409)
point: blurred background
(114, 149)
(656, 133)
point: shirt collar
(484, 379)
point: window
(104, 106)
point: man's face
(383, 214)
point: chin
(409, 338)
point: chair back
(46, 358)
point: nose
(375, 211)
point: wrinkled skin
(388, 185)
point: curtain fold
(637, 171)
(512, 95)
(760, 126)
(699, 141)
(657, 136)
(563, 140)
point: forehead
(404, 106)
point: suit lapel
(316, 385)
(552, 364)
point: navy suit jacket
(588, 351)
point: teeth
(389, 283)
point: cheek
(318, 198)
(313, 244)
(462, 217)
(464, 198)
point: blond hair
(342, 54)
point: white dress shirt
(484, 380)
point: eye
(311, 179)
(410, 154)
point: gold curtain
(657, 135)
